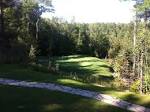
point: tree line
(103, 40)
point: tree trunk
(141, 72)
(138, 66)
(37, 29)
(2, 18)
(134, 43)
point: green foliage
(145, 5)
(19, 19)
(57, 37)
(135, 86)
(118, 84)
(147, 82)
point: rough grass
(17, 99)
(22, 72)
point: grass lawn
(28, 73)
(84, 68)
(17, 99)
(85, 65)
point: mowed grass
(17, 99)
(85, 65)
(22, 72)
(85, 68)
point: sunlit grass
(85, 65)
(71, 82)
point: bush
(135, 86)
(118, 84)
(147, 83)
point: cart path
(86, 93)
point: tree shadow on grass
(39, 100)
(81, 69)
(86, 73)
(76, 73)
(85, 86)
(84, 70)
(106, 66)
(137, 99)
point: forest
(29, 41)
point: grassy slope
(26, 73)
(84, 68)
(85, 65)
(39, 100)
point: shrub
(118, 84)
(135, 86)
(147, 83)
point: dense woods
(24, 36)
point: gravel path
(90, 94)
